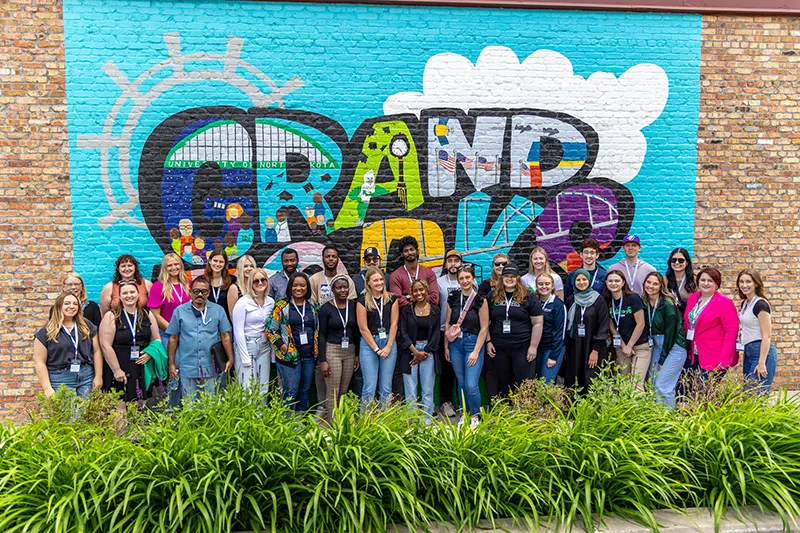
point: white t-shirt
(529, 280)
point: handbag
(219, 357)
(454, 331)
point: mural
(486, 147)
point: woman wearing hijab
(587, 332)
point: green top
(667, 321)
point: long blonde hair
(240, 281)
(495, 279)
(539, 250)
(248, 284)
(56, 320)
(82, 296)
(163, 277)
(369, 303)
(117, 310)
(663, 292)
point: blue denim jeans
(752, 353)
(468, 392)
(423, 374)
(79, 382)
(174, 395)
(191, 387)
(377, 372)
(666, 378)
(542, 370)
(296, 382)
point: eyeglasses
(500, 263)
(259, 281)
(678, 260)
(204, 292)
(72, 285)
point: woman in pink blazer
(711, 323)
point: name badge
(75, 367)
(581, 330)
(739, 346)
(345, 343)
(650, 341)
(690, 335)
(382, 334)
(134, 353)
(304, 338)
(617, 341)
(506, 326)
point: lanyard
(594, 277)
(130, 324)
(416, 274)
(203, 314)
(694, 314)
(631, 280)
(583, 312)
(508, 304)
(617, 313)
(651, 311)
(346, 318)
(178, 295)
(380, 309)
(303, 314)
(749, 305)
(677, 293)
(216, 294)
(73, 339)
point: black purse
(219, 357)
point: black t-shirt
(485, 287)
(299, 322)
(472, 320)
(627, 323)
(91, 312)
(330, 322)
(373, 316)
(761, 306)
(519, 315)
(61, 351)
(423, 324)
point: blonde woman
(498, 263)
(251, 316)
(66, 351)
(74, 284)
(539, 263)
(170, 291)
(244, 269)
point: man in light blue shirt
(279, 280)
(195, 327)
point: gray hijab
(584, 298)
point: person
(372, 258)
(629, 332)
(91, 311)
(195, 329)
(338, 339)
(665, 324)
(448, 284)
(170, 291)
(400, 280)
(126, 268)
(634, 268)
(278, 281)
(515, 329)
(251, 317)
(419, 340)
(680, 277)
(499, 262)
(125, 331)
(590, 251)
(711, 324)
(216, 272)
(551, 346)
(245, 266)
(294, 332)
(587, 333)
(321, 288)
(467, 351)
(378, 314)
(66, 351)
(538, 263)
(755, 316)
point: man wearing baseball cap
(448, 284)
(635, 269)
(372, 258)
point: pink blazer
(715, 332)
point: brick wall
(746, 167)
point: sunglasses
(678, 260)
(500, 263)
(204, 292)
(259, 281)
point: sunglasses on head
(500, 263)
(679, 260)
(204, 292)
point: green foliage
(241, 462)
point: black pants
(512, 367)
(447, 376)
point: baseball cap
(510, 268)
(631, 238)
(371, 251)
(452, 253)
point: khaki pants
(341, 364)
(637, 364)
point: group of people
(384, 336)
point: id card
(134, 353)
(617, 341)
(650, 341)
(739, 346)
(581, 330)
(75, 367)
(506, 326)
(382, 334)
(345, 343)
(690, 335)
(303, 338)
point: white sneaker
(447, 409)
(474, 421)
(461, 421)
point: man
(372, 258)
(448, 284)
(194, 329)
(320, 282)
(400, 280)
(590, 251)
(635, 269)
(279, 280)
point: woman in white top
(755, 322)
(251, 316)
(537, 264)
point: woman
(74, 284)
(419, 339)
(338, 338)
(251, 318)
(221, 280)
(680, 277)
(711, 323)
(170, 291)
(498, 264)
(244, 269)
(294, 332)
(66, 351)
(538, 264)
(466, 353)
(515, 329)
(125, 332)
(668, 339)
(587, 330)
(628, 327)
(551, 347)
(755, 317)
(378, 313)
(126, 268)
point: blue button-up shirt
(277, 285)
(197, 334)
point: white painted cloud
(617, 108)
